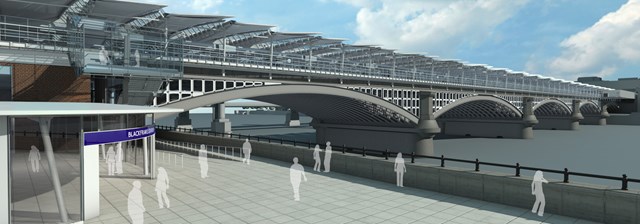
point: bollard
(413, 157)
(517, 169)
(625, 182)
(269, 139)
(442, 161)
(386, 154)
(309, 142)
(344, 148)
(566, 175)
(281, 141)
(477, 165)
(294, 142)
(364, 151)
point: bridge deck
(261, 193)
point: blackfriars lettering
(138, 133)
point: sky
(558, 38)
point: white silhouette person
(111, 161)
(327, 158)
(162, 185)
(135, 204)
(103, 56)
(296, 174)
(34, 158)
(119, 157)
(204, 164)
(246, 150)
(316, 157)
(136, 55)
(536, 189)
(400, 169)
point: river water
(607, 150)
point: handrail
(386, 153)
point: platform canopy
(12, 108)
(48, 10)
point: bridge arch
(551, 108)
(589, 107)
(480, 107)
(325, 103)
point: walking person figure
(246, 150)
(135, 204)
(34, 158)
(119, 158)
(316, 157)
(111, 161)
(103, 56)
(536, 189)
(400, 169)
(296, 174)
(162, 185)
(203, 160)
(327, 158)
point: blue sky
(558, 38)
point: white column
(91, 181)
(45, 124)
(145, 149)
(5, 213)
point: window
(5, 83)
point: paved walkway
(262, 193)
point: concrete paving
(261, 193)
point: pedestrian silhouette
(296, 174)
(135, 204)
(400, 169)
(136, 55)
(316, 157)
(111, 161)
(246, 150)
(103, 56)
(119, 158)
(327, 158)
(204, 164)
(162, 185)
(536, 189)
(34, 158)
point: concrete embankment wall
(569, 199)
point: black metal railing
(624, 179)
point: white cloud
(203, 5)
(438, 27)
(193, 5)
(603, 48)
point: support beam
(5, 175)
(45, 125)
(292, 118)
(427, 125)
(183, 121)
(220, 123)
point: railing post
(281, 141)
(566, 175)
(386, 154)
(517, 169)
(309, 142)
(343, 149)
(442, 161)
(294, 142)
(364, 151)
(625, 182)
(269, 139)
(477, 165)
(413, 157)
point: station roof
(12, 108)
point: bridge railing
(517, 168)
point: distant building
(628, 84)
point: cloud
(438, 27)
(603, 48)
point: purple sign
(104, 137)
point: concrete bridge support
(292, 119)
(562, 122)
(220, 123)
(183, 121)
(427, 125)
(492, 128)
(596, 119)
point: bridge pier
(427, 125)
(183, 121)
(562, 122)
(596, 119)
(219, 122)
(292, 118)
